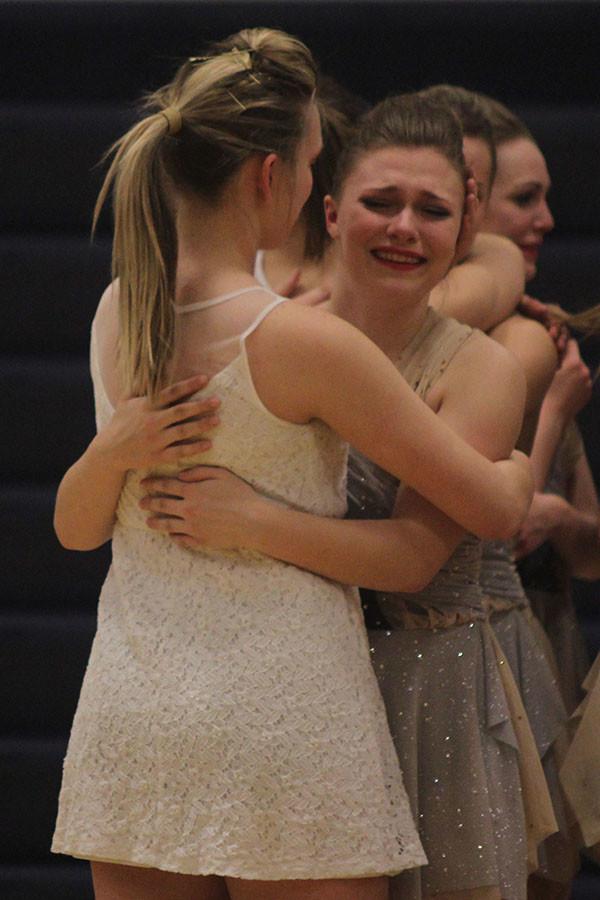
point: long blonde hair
(247, 96)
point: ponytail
(219, 110)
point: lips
(530, 251)
(405, 260)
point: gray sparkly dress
(534, 667)
(450, 708)
(548, 585)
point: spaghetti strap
(181, 308)
(262, 315)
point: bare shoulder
(528, 340)
(107, 312)
(296, 332)
(304, 324)
(484, 361)
(303, 362)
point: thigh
(117, 882)
(317, 889)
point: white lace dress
(229, 720)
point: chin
(530, 270)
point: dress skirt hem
(225, 871)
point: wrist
(555, 413)
(262, 524)
(100, 453)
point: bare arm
(570, 390)
(138, 436)
(212, 507)
(358, 392)
(486, 287)
(576, 536)
(535, 351)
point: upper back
(299, 464)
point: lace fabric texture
(229, 720)
(451, 711)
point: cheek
(446, 239)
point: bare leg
(322, 889)
(117, 882)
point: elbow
(73, 540)
(407, 579)
(504, 526)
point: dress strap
(262, 315)
(181, 308)
(259, 269)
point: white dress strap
(259, 269)
(262, 315)
(181, 308)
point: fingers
(175, 452)
(288, 287)
(181, 389)
(160, 485)
(202, 409)
(165, 524)
(203, 473)
(571, 351)
(168, 507)
(186, 431)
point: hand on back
(142, 434)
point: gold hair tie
(174, 119)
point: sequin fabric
(229, 720)
(534, 668)
(548, 585)
(440, 678)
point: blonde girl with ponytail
(229, 734)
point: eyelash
(437, 212)
(524, 199)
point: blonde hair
(247, 96)
(586, 322)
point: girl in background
(565, 502)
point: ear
(268, 172)
(331, 216)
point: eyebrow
(392, 189)
(532, 185)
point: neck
(214, 254)
(282, 262)
(390, 318)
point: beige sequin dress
(548, 585)
(580, 773)
(535, 669)
(229, 720)
(450, 699)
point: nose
(544, 220)
(403, 225)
